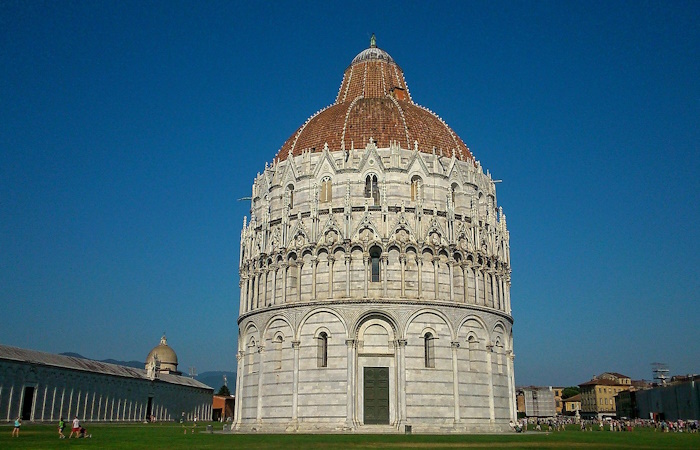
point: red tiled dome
(374, 102)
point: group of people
(559, 424)
(679, 426)
(78, 430)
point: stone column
(476, 284)
(331, 260)
(285, 267)
(450, 267)
(419, 261)
(465, 285)
(455, 378)
(256, 288)
(295, 383)
(249, 293)
(243, 285)
(436, 276)
(486, 292)
(314, 263)
(511, 390)
(350, 408)
(267, 276)
(385, 275)
(252, 292)
(239, 388)
(366, 260)
(261, 368)
(489, 364)
(402, 260)
(348, 261)
(300, 264)
(493, 288)
(43, 407)
(509, 310)
(501, 297)
(496, 290)
(260, 291)
(274, 286)
(401, 379)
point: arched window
(374, 255)
(471, 344)
(372, 189)
(499, 357)
(453, 193)
(429, 350)
(416, 187)
(278, 351)
(290, 195)
(322, 352)
(250, 352)
(326, 190)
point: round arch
(438, 313)
(376, 314)
(302, 322)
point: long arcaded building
(44, 387)
(375, 273)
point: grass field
(170, 436)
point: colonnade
(491, 287)
(50, 403)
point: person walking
(75, 429)
(61, 427)
(18, 423)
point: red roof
(374, 103)
(602, 382)
(574, 398)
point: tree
(224, 391)
(570, 392)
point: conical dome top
(374, 103)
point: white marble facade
(375, 257)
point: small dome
(373, 53)
(164, 354)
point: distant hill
(135, 364)
(215, 379)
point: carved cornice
(379, 302)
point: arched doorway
(376, 372)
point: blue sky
(128, 130)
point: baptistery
(374, 274)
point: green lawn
(170, 436)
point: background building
(375, 273)
(43, 387)
(537, 401)
(223, 408)
(680, 399)
(558, 406)
(571, 406)
(598, 394)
